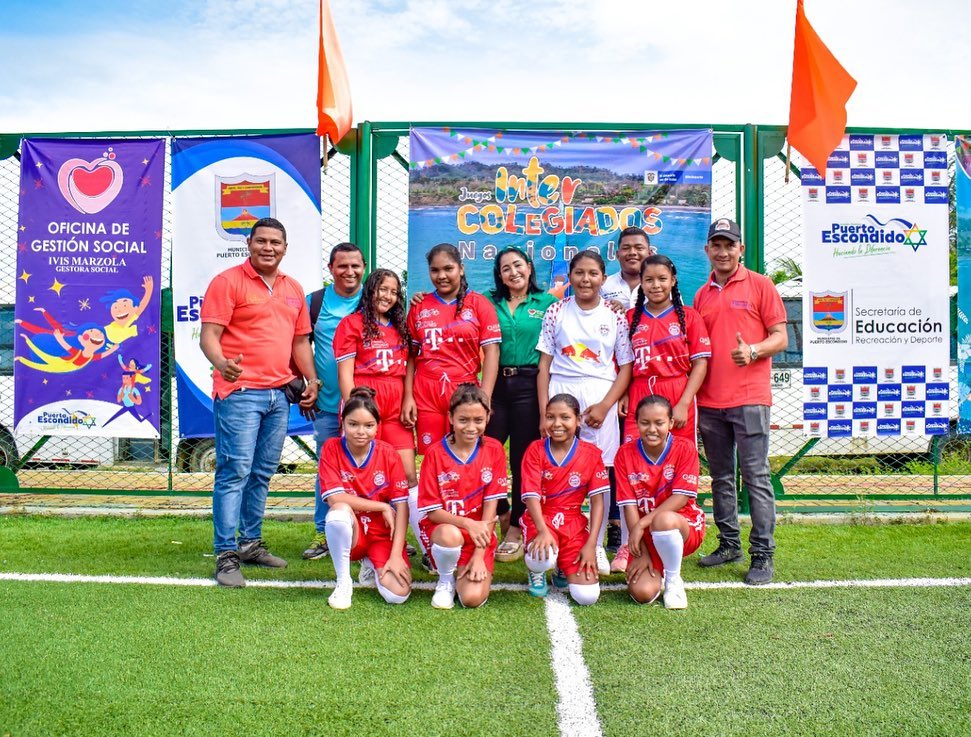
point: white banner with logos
(876, 330)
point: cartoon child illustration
(129, 397)
(86, 343)
(134, 367)
(124, 313)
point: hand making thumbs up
(232, 369)
(742, 353)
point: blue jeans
(326, 426)
(251, 425)
(746, 429)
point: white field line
(576, 709)
(430, 585)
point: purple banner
(89, 258)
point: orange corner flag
(334, 115)
(820, 89)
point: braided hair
(657, 259)
(452, 253)
(369, 315)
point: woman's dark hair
(469, 394)
(594, 255)
(396, 315)
(570, 401)
(653, 399)
(658, 260)
(361, 397)
(501, 292)
(453, 254)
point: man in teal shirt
(346, 266)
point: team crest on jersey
(379, 479)
(467, 314)
(426, 438)
(486, 475)
(347, 476)
(574, 479)
(558, 520)
(674, 329)
(605, 329)
(668, 472)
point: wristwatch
(318, 382)
(753, 354)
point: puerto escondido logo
(873, 237)
(829, 311)
(67, 418)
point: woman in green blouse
(520, 305)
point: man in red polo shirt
(746, 322)
(254, 318)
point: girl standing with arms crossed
(657, 489)
(582, 343)
(671, 352)
(362, 480)
(462, 479)
(520, 305)
(558, 474)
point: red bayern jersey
(646, 483)
(461, 488)
(660, 348)
(448, 343)
(386, 355)
(380, 478)
(562, 487)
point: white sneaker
(444, 596)
(367, 575)
(341, 596)
(603, 565)
(674, 594)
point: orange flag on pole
(820, 89)
(334, 115)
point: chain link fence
(365, 199)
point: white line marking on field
(430, 585)
(576, 710)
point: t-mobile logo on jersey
(642, 356)
(456, 507)
(383, 357)
(433, 336)
(645, 504)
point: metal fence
(365, 199)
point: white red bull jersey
(584, 344)
(386, 355)
(562, 487)
(380, 477)
(448, 343)
(462, 487)
(646, 483)
(661, 349)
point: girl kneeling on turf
(364, 483)
(558, 474)
(462, 479)
(657, 488)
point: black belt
(508, 371)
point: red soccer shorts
(571, 535)
(669, 388)
(388, 394)
(427, 528)
(695, 538)
(373, 542)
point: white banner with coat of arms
(876, 330)
(221, 187)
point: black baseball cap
(725, 228)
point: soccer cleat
(603, 565)
(674, 594)
(254, 553)
(613, 537)
(410, 549)
(722, 555)
(761, 570)
(227, 570)
(537, 584)
(444, 596)
(620, 561)
(367, 575)
(318, 548)
(426, 563)
(560, 581)
(340, 598)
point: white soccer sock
(414, 516)
(604, 521)
(623, 528)
(446, 559)
(540, 565)
(670, 547)
(339, 528)
(389, 596)
(585, 594)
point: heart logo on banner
(90, 186)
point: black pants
(515, 417)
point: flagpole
(788, 159)
(326, 150)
